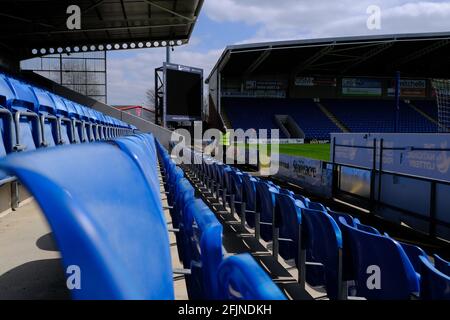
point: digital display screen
(183, 95)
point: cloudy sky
(225, 22)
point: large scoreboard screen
(183, 93)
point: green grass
(314, 151)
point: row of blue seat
(31, 117)
(102, 202)
(330, 249)
(213, 274)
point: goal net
(442, 88)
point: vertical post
(106, 77)
(372, 176)
(380, 170)
(334, 170)
(397, 101)
(243, 208)
(15, 197)
(168, 54)
(257, 225)
(156, 98)
(301, 259)
(432, 226)
(275, 234)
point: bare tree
(150, 98)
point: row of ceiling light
(102, 47)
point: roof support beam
(25, 20)
(92, 30)
(310, 61)
(170, 11)
(368, 55)
(420, 53)
(262, 57)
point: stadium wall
(404, 178)
(318, 86)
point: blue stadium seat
(241, 278)
(108, 222)
(265, 204)
(373, 253)
(27, 124)
(184, 195)
(316, 206)
(303, 199)
(413, 252)
(434, 284)
(6, 123)
(204, 233)
(442, 265)
(45, 107)
(288, 218)
(366, 228)
(324, 245)
(348, 218)
(82, 121)
(140, 151)
(75, 117)
(65, 123)
(89, 124)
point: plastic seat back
(249, 197)
(113, 217)
(204, 233)
(6, 123)
(324, 245)
(366, 228)
(65, 122)
(242, 278)
(46, 109)
(434, 284)
(288, 219)
(373, 254)
(442, 265)
(413, 252)
(27, 125)
(265, 204)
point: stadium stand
(258, 113)
(344, 251)
(356, 114)
(427, 106)
(331, 250)
(377, 116)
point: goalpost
(442, 88)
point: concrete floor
(30, 264)
(179, 281)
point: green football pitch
(314, 151)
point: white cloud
(129, 77)
(292, 19)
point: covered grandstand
(331, 85)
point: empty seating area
(331, 250)
(378, 116)
(32, 118)
(356, 114)
(101, 194)
(427, 106)
(256, 113)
